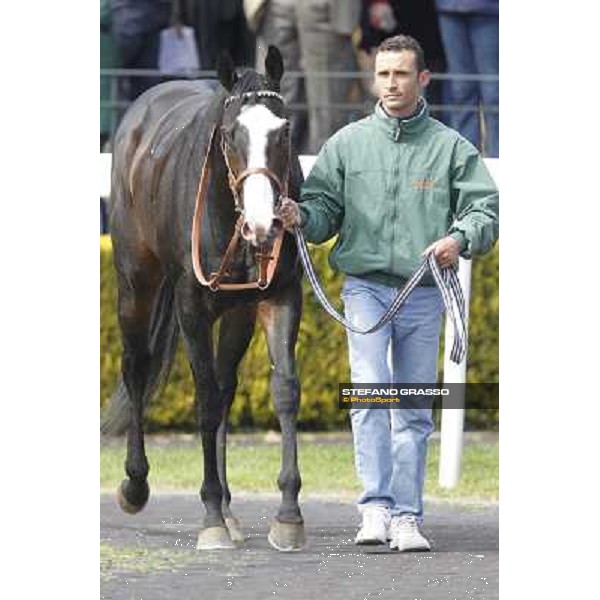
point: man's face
(398, 83)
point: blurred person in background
(220, 25)
(109, 59)
(136, 27)
(384, 18)
(469, 31)
(314, 36)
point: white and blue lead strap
(446, 280)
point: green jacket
(390, 188)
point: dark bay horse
(240, 128)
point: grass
(325, 468)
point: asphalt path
(152, 555)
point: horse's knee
(286, 392)
(228, 385)
(209, 420)
(284, 382)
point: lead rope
(445, 279)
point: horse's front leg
(196, 327)
(280, 317)
(235, 334)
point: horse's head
(255, 140)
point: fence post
(451, 436)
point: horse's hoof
(235, 530)
(287, 537)
(214, 538)
(132, 497)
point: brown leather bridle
(267, 260)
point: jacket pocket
(431, 199)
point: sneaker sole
(372, 542)
(418, 549)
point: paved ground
(152, 556)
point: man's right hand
(289, 213)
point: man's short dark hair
(398, 43)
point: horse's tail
(163, 335)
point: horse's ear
(226, 71)
(274, 65)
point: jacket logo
(423, 184)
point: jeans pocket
(351, 286)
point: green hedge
(321, 356)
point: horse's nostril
(246, 231)
(258, 234)
(276, 227)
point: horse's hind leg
(235, 333)
(136, 297)
(280, 317)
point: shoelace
(373, 516)
(406, 522)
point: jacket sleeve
(322, 198)
(475, 202)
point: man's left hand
(446, 251)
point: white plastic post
(105, 164)
(451, 438)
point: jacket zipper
(395, 171)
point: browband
(258, 94)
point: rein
(446, 280)
(267, 259)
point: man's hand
(289, 213)
(446, 251)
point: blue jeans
(390, 445)
(471, 47)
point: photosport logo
(423, 395)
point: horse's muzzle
(258, 234)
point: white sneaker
(406, 536)
(375, 525)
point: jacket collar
(396, 127)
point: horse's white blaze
(259, 121)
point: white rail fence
(452, 426)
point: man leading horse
(395, 186)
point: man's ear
(424, 78)
(226, 71)
(274, 66)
